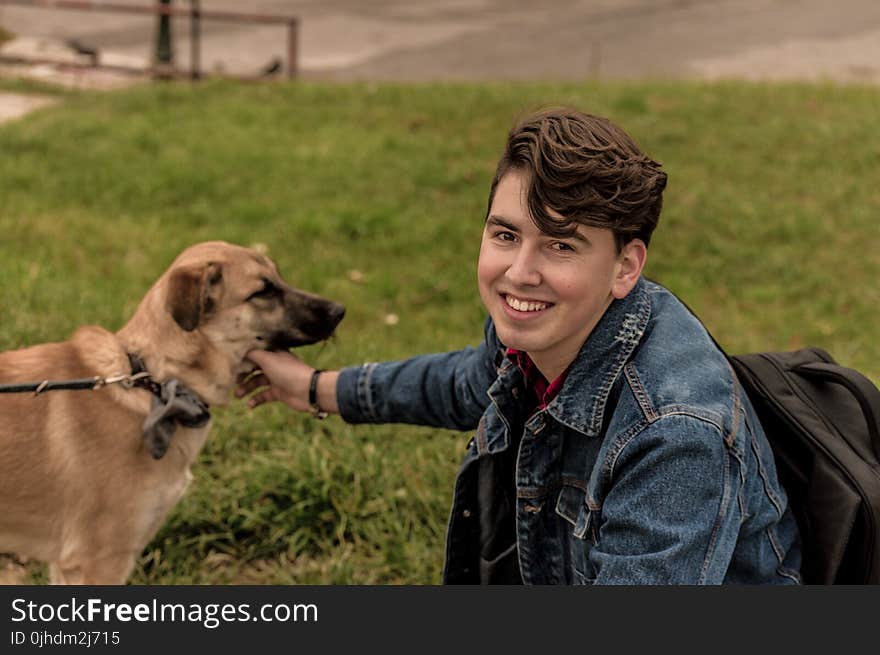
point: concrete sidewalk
(473, 40)
(14, 105)
(509, 39)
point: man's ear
(630, 263)
(192, 292)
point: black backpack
(821, 420)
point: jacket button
(466, 513)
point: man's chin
(514, 338)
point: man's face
(546, 294)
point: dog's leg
(113, 570)
(12, 571)
(60, 575)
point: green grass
(768, 232)
(26, 85)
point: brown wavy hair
(587, 170)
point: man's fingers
(265, 396)
(241, 377)
(279, 376)
(264, 358)
(251, 384)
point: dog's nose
(336, 312)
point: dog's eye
(267, 292)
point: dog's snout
(310, 319)
(335, 312)
(323, 312)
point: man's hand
(283, 377)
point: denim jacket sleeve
(666, 517)
(446, 390)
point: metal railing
(195, 15)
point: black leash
(173, 404)
(46, 385)
(137, 378)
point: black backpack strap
(861, 387)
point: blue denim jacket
(649, 467)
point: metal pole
(195, 42)
(292, 35)
(164, 7)
(164, 54)
(164, 45)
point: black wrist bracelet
(317, 412)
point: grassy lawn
(768, 233)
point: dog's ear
(192, 293)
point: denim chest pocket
(580, 526)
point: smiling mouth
(524, 305)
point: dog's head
(236, 298)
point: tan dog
(80, 486)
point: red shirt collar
(544, 391)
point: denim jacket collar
(597, 366)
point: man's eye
(562, 246)
(506, 236)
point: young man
(613, 443)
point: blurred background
(363, 170)
(487, 39)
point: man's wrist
(322, 392)
(317, 412)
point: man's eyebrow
(500, 221)
(494, 219)
(577, 236)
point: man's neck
(552, 367)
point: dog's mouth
(278, 342)
(317, 323)
(287, 341)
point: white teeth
(524, 305)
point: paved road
(513, 39)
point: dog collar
(173, 404)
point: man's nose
(524, 270)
